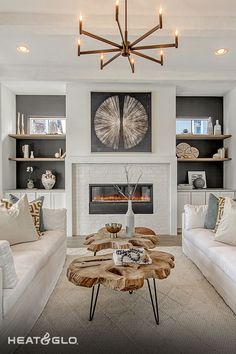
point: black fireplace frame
(144, 207)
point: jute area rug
(193, 317)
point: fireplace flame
(120, 198)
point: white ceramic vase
(130, 220)
(48, 179)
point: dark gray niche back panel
(202, 107)
(57, 168)
(41, 105)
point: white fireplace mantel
(136, 159)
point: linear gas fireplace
(105, 199)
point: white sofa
(38, 266)
(216, 260)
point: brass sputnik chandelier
(126, 48)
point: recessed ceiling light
(221, 51)
(23, 49)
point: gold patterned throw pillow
(220, 212)
(35, 208)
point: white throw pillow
(54, 219)
(194, 216)
(16, 223)
(7, 265)
(226, 231)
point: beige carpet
(193, 317)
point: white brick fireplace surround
(159, 171)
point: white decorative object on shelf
(48, 179)
(22, 125)
(30, 182)
(57, 155)
(25, 149)
(32, 155)
(18, 124)
(210, 127)
(185, 151)
(217, 128)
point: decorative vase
(48, 179)
(22, 125)
(18, 124)
(199, 183)
(30, 184)
(130, 220)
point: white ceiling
(49, 28)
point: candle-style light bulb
(79, 44)
(80, 24)
(132, 64)
(102, 60)
(160, 17)
(162, 55)
(117, 10)
(176, 39)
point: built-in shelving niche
(207, 145)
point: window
(191, 125)
(48, 125)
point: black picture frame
(143, 98)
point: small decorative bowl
(113, 228)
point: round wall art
(121, 123)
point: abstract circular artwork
(121, 123)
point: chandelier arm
(147, 57)
(155, 46)
(131, 64)
(126, 21)
(101, 39)
(99, 51)
(112, 59)
(147, 34)
(121, 33)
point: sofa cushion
(224, 257)
(29, 258)
(203, 239)
(194, 216)
(226, 231)
(16, 223)
(212, 212)
(54, 219)
(34, 204)
(35, 208)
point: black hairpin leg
(154, 305)
(95, 253)
(93, 303)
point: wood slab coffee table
(101, 240)
(96, 270)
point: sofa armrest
(7, 266)
(54, 219)
(194, 216)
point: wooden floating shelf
(39, 159)
(38, 136)
(201, 137)
(204, 159)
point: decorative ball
(199, 183)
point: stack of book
(131, 256)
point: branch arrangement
(131, 188)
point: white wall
(230, 128)
(7, 145)
(78, 112)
